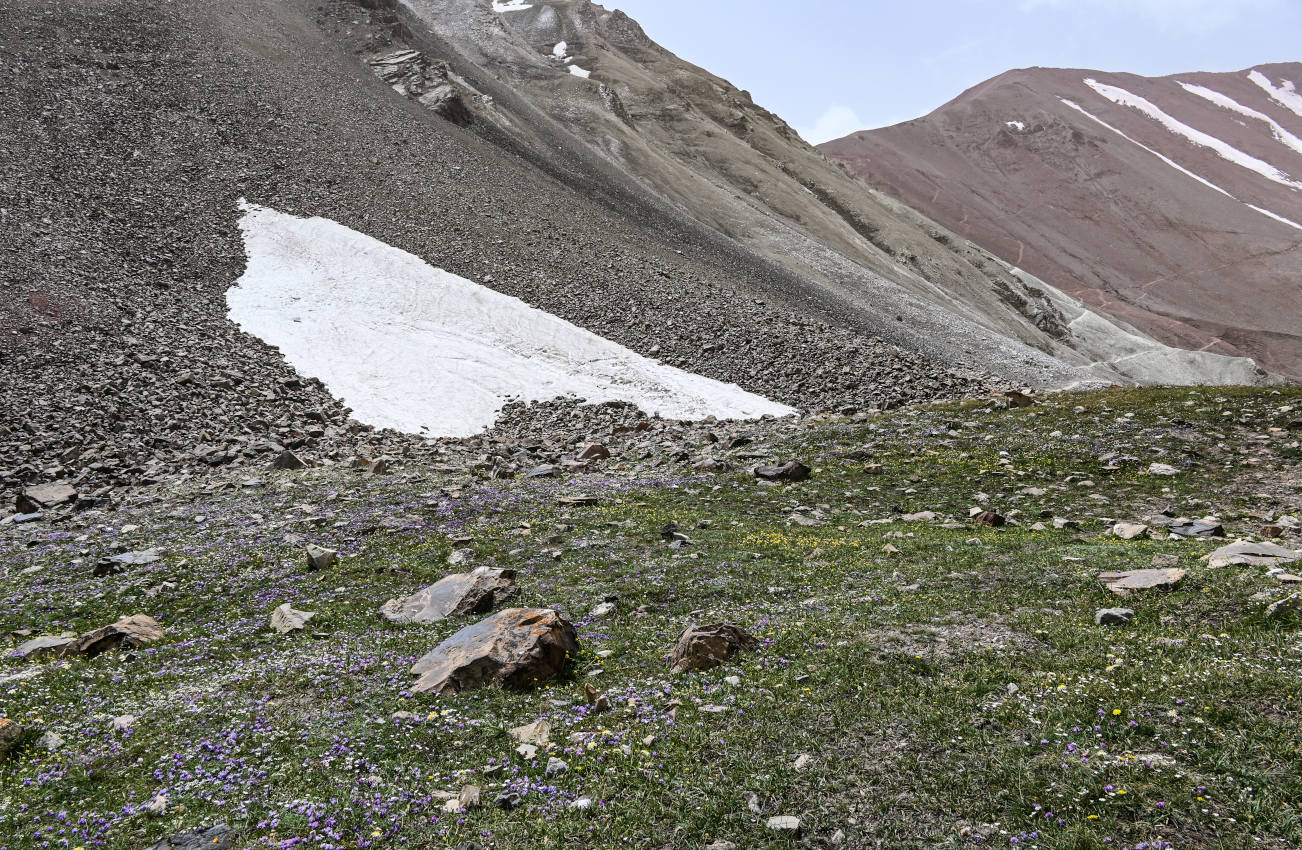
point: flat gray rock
(1245, 553)
(1134, 580)
(44, 646)
(457, 595)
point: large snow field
(418, 349)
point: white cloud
(835, 122)
(1194, 16)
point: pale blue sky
(830, 67)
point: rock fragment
(287, 619)
(704, 647)
(320, 558)
(126, 634)
(1123, 583)
(457, 595)
(791, 471)
(1114, 617)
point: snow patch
(1224, 150)
(1226, 102)
(1177, 166)
(511, 5)
(420, 350)
(1286, 95)
(560, 50)
(1019, 126)
(580, 72)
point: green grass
(955, 694)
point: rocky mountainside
(130, 135)
(1172, 204)
(582, 91)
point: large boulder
(703, 647)
(457, 595)
(127, 633)
(515, 648)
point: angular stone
(539, 732)
(1123, 583)
(790, 471)
(602, 609)
(35, 499)
(45, 646)
(594, 451)
(289, 460)
(514, 648)
(921, 516)
(10, 732)
(704, 647)
(543, 471)
(287, 619)
(1196, 528)
(127, 633)
(1288, 603)
(990, 519)
(1114, 616)
(457, 595)
(1129, 530)
(211, 838)
(1162, 469)
(1246, 553)
(320, 558)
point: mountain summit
(1173, 204)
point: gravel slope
(131, 133)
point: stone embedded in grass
(921, 516)
(320, 558)
(990, 519)
(1114, 617)
(790, 471)
(539, 732)
(1196, 528)
(602, 609)
(127, 633)
(1163, 470)
(1129, 530)
(10, 732)
(458, 595)
(50, 742)
(1288, 603)
(461, 557)
(704, 647)
(203, 838)
(555, 766)
(515, 648)
(287, 619)
(1123, 583)
(784, 824)
(1246, 553)
(45, 646)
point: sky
(830, 67)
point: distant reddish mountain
(1174, 203)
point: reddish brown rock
(127, 633)
(703, 647)
(516, 648)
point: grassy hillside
(952, 690)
